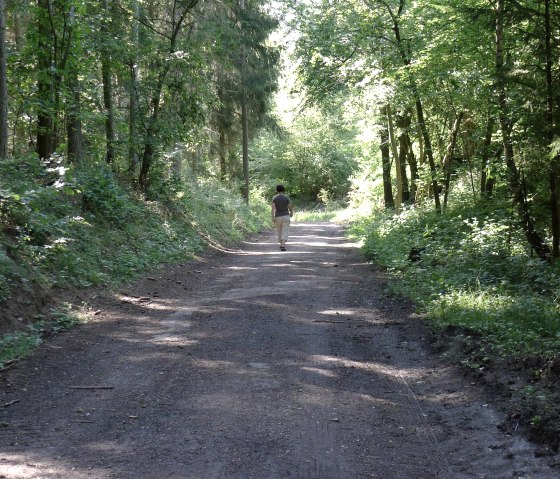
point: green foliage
(470, 271)
(103, 233)
(19, 344)
(315, 158)
(101, 194)
(332, 211)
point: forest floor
(255, 363)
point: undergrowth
(469, 268)
(19, 344)
(64, 227)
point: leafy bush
(102, 195)
(314, 160)
(471, 269)
(79, 227)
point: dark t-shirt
(281, 201)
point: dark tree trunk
(517, 184)
(550, 130)
(18, 20)
(107, 76)
(394, 150)
(133, 119)
(419, 107)
(44, 145)
(3, 87)
(245, 130)
(403, 123)
(73, 111)
(222, 154)
(448, 159)
(244, 123)
(486, 184)
(386, 159)
(151, 131)
(74, 122)
(133, 94)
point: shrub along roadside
(62, 228)
(493, 306)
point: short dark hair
(280, 188)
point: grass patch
(20, 344)
(332, 211)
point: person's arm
(273, 210)
(291, 208)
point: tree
(552, 129)
(246, 78)
(172, 21)
(517, 183)
(73, 110)
(107, 76)
(3, 86)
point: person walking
(282, 211)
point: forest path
(253, 364)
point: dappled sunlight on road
(334, 312)
(213, 364)
(322, 372)
(256, 364)
(26, 466)
(374, 367)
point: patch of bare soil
(255, 364)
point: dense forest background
(134, 133)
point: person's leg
(285, 231)
(278, 224)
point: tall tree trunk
(107, 76)
(73, 112)
(428, 151)
(396, 157)
(3, 87)
(44, 145)
(133, 91)
(149, 145)
(386, 160)
(550, 134)
(418, 103)
(222, 153)
(402, 123)
(517, 184)
(424, 191)
(151, 132)
(414, 176)
(18, 21)
(74, 121)
(244, 122)
(486, 186)
(448, 158)
(109, 111)
(245, 131)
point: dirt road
(253, 364)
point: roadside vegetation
(75, 228)
(492, 307)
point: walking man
(282, 211)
